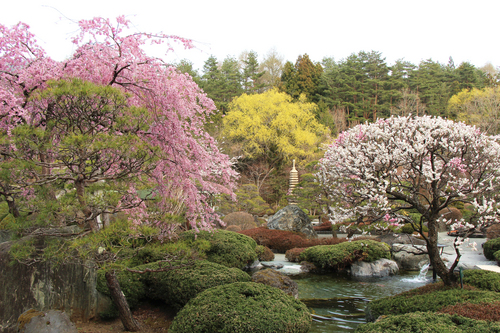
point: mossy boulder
(227, 248)
(242, 307)
(177, 287)
(490, 247)
(425, 322)
(344, 254)
(278, 280)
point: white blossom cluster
(426, 163)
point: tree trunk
(446, 275)
(121, 303)
(12, 206)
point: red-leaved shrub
(282, 241)
(293, 255)
(481, 311)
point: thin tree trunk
(437, 263)
(121, 303)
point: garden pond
(338, 300)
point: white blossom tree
(375, 171)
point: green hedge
(242, 307)
(490, 247)
(482, 279)
(178, 286)
(343, 254)
(227, 248)
(425, 322)
(433, 301)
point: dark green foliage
(227, 248)
(408, 228)
(497, 256)
(132, 285)
(490, 247)
(340, 255)
(434, 301)
(486, 280)
(242, 307)
(178, 286)
(425, 322)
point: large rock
(292, 218)
(278, 280)
(44, 286)
(378, 268)
(52, 321)
(410, 257)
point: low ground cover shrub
(264, 253)
(227, 248)
(486, 280)
(480, 311)
(425, 322)
(428, 301)
(242, 307)
(178, 286)
(490, 247)
(282, 241)
(344, 254)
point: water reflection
(338, 301)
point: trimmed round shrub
(282, 241)
(425, 322)
(132, 286)
(490, 247)
(431, 301)
(482, 279)
(293, 255)
(177, 287)
(408, 229)
(264, 253)
(344, 254)
(496, 255)
(234, 228)
(243, 220)
(242, 307)
(227, 248)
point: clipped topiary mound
(178, 286)
(132, 286)
(264, 253)
(293, 255)
(242, 307)
(282, 241)
(490, 247)
(431, 301)
(425, 322)
(344, 254)
(227, 248)
(482, 279)
(243, 220)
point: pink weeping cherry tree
(184, 167)
(375, 172)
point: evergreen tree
(251, 75)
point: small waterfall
(421, 277)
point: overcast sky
(413, 30)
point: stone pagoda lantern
(294, 180)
